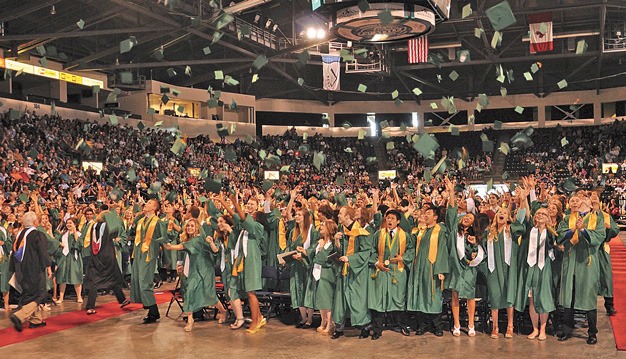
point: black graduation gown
(102, 270)
(31, 271)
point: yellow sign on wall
(49, 73)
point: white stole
(222, 258)
(460, 246)
(534, 257)
(317, 268)
(66, 246)
(241, 241)
(491, 261)
(479, 257)
(186, 265)
(307, 243)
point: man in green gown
(351, 287)
(150, 233)
(581, 232)
(604, 256)
(427, 271)
(386, 291)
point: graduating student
(535, 274)
(355, 247)
(102, 272)
(6, 247)
(302, 236)
(427, 271)
(502, 247)
(320, 288)
(30, 263)
(604, 255)
(466, 253)
(246, 255)
(198, 269)
(386, 291)
(70, 261)
(582, 233)
(150, 233)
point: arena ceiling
(181, 30)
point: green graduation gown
(386, 291)
(581, 268)
(5, 254)
(424, 290)
(144, 262)
(351, 287)
(463, 269)
(502, 281)
(535, 279)
(299, 270)
(199, 284)
(604, 257)
(70, 265)
(320, 287)
(249, 280)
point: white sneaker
(456, 331)
(471, 331)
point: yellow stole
(151, 225)
(573, 218)
(352, 234)
(607, 219)
(87, 241)
(383, 240)
(282, 235)
(434, 243)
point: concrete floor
(126, 337)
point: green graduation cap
(171, 72)
(534, 68)
(505, 175)
(385, 17)
(171, 196)
(318, 160)
(501, 16)
(483, 100)
(43, 61)
(384, 124)
(165, 99)
(80, 24)
(467, 11)
(454, 130)
(272, 160)
(260, 61)
(158, 124)
(217, 36)
(528, 76)
(229, 154)
(562, 84)
(14, 114)
(454, 75)
(426, 146)
(390, 145)
(141, 126)
(504, 148)
(490, 184)
(267, 185)
(362, 88)
(487, 146)
(416, 91)
(125, 46)
(568, 185)
(394, 94)
(503, 91)
(218, 74)
(285, 168)
(213, 185)
(303, 58)
(113, 119)
(398, 102)
(519, 109)
(497, 125)
(229, 80)
(564, 142)
(178, 146)
(440, 165)
(581, 47)
(126, 77)
(340, 180)
(23, 197)
(363, 5)
(427, 176)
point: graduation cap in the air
(213, 185)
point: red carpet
(73, 319)
(618, 260)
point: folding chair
(176, 297)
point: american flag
(418, 50)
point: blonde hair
(493, 229)
(184, 237)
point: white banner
(332, 69)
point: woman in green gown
(70, 261)
(301, 236)
(198, 269)
(320, 287)
(534, 284)
(6, 245)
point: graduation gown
(70, 260)
(149, 234)
(352, 278)
(5, 255)
(424, 289)
(199, 270)
(604, 258)
(30, 271)
(386, 291)
(502, 281)
(169, 258)
(102, 271)
(226, 263)
(581, 268)
(463, 269)
(320, 287)
(246, 270)
(535, 279)
(299, 270)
